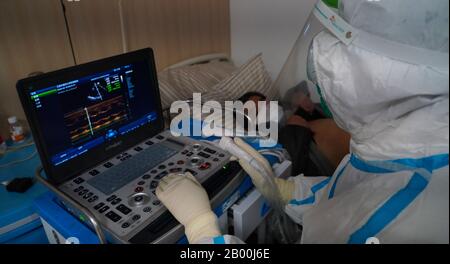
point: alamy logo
(235, 118)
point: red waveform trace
(90, 120)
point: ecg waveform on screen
(90, 120)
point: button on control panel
(78, 180)
(123, 209)
(113, 216)
(103, 209)
(116, 201)
(108, 165)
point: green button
(82, 218)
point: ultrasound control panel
(120, 192)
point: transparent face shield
(299, 67)
(374, 26)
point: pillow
(179, 83)
(252, 76)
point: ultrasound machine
(99, 131)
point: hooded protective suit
(394, 186)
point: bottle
(16, 130)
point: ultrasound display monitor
(85, 114)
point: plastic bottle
(16, 130)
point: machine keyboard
(121, 192)
(125, 172)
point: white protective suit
(394, 186)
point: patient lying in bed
(309, 125)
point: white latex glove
(188, 202)
(285, 187)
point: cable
(10, 149)
(122, 28)
(277, 155)
(281, 154)
(18, 161)
(68, 32)
(17, 148)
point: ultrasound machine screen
(81, 114)
(94, 110)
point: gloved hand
(285, 187)
(188, 202)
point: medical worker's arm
(299, 193)
(286, 188)
(188, 202)
(310, 191)
(296, 192)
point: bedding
(251, 76)
(179, 83)
(216, 80)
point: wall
(34, 36)
(175, 29)
(267, 26)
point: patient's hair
(245, 98)
(249, 95)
